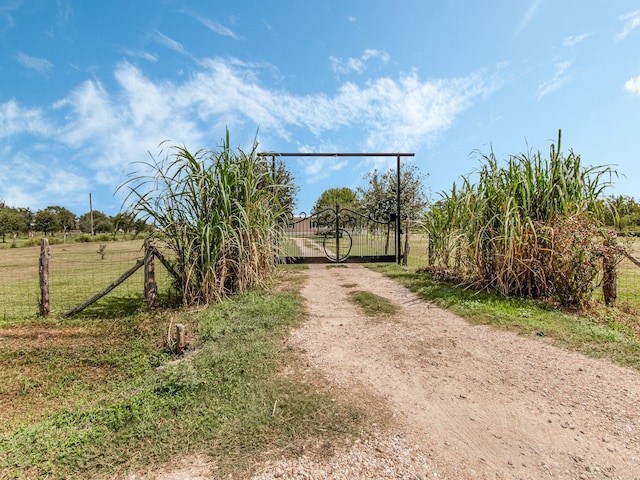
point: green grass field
(77, 271)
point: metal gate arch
(340, 234)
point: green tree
(45, 222)
(282, 183)
(102, 223)
(27, 217)
(54, 219)
(622, 212)
(380, 197)
(344, 197)
(325, 205)
(10, 220)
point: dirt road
(469, 401)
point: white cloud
(559, 79)
(631, 22)
(41, 65)
(396, 114)
(573, 40)
(150, 57)
(358, 65)
(633, 85)
(37, 187)
(15, 120)
(6, 15)
(93, 115)
(392, 113)
(218, 28)
(529, 15)
(170, 43)
(106, 130)
(322, 167)
(115, 129)
(352, 19)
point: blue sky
(87, 88)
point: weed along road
(469, 401)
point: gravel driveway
(468, 402)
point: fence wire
(628, 287)
(77, 271)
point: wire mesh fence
(629, 276)
(80, 270)
(77, 271)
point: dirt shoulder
(467, 401)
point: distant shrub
(83, 239)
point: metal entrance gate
(340, 235)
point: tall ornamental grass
(217, 211)
(527, 228)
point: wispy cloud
(631, 22)
(7, 21)
(17, 120)
(318, 169)
(529, 15)
(352, 19)
(41, 65)
(218, 28)
(170, 43)
(358, 65)
(38, 187)
(633, 85)
(150, 57)
(108, 129)
(560, 78)
(573, 40)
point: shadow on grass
(113, 306)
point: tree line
(56, 219)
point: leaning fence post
(150, 287)
(43, 270)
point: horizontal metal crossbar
(349, 259)
(306, 154)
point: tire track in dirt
(479, 402)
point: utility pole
(91, 213)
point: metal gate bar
(382, 258)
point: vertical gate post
(398, 220)
(337, 233)
(150, 287)
(43, 270)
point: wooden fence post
(609, 271)
(43, 270)
(150, 287)
(180, 339)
